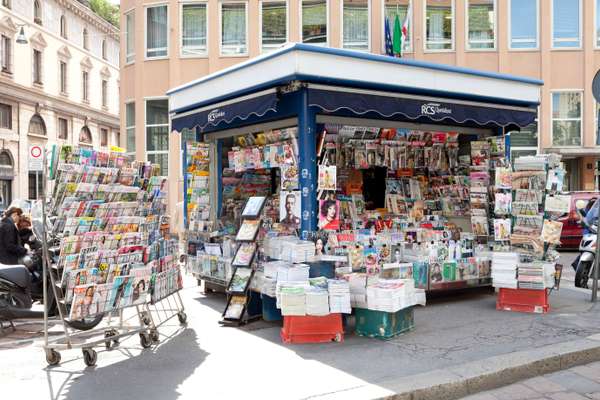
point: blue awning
(420, 108)
(225, 113)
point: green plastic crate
(383, 325)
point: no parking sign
(35, 158)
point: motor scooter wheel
(582, 274)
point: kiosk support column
(307, 148)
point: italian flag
(404, 32)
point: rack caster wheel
(145, 340)
(154, 336)
(52, 357)
(338, 337)
(107, 335)
(182, 317)
(90, 357)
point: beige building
(59, 83)
(168, 43)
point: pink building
(168, 43)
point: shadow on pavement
(156, 373)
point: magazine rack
(148, 284)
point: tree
(106, 10)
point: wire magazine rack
(107, 328)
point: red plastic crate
(523, 300)
(312, 329)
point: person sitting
(26, 235)
(10, 247)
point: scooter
(587, 256)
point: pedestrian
(10, 247)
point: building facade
(168, 43)
(59, 85)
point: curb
(494, 372)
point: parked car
(572, 229)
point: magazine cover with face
(329, 214)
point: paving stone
(517, 391)
(588, 372)
(593, 396)
(567, 396)
(481, 396)
(543, 385)
(574, 382)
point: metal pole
(44, 246)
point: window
(273, 24)
(63, 77)
(157, 133)
(37, 126)
(86, 39)
(35, 185)
(63, 128)
(6, 3)
(104, 93)
(63, 27)
(37, 67)
(85, 86)
(6, 54)
(37, 12)
(566, 23)
(597, 23)
(130, 126)
(398, 8)
(314, 22)
(193, 29)
(355, 24)
(103, 137)
(233, 29)
(5, 116)
(85, 136)
(130, 36)
(566, 119)
(104, 49)
(156, 32)
(439, 21)
(523, 24)
(481, 24)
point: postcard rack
(117, 274)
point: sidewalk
(578, 383)
(461, 345)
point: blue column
(307, 165)
(185, 183)
(219, 185)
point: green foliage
(106, 10)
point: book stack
(339, 296)
(293, 273)
(317, 301)
(531, 276)
(358, 290)
(504, 269)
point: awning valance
(226, 112)
(359, 102)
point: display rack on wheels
(112, 252)
(384, 164)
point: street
(453, 333)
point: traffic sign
(35, 159)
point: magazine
(528, 225)
(355, 258)
(503, 203)
(235, 308)
(503, 178)
(551, 231)
(253, 206)
(240, 280)
(289, 177)
(559, 204)
(244, 255)
(502, 229)
(479, 225)
(327, 177)
(248, 230)
(555, 180)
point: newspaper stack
(289, 248)
(291, 298)
(530, 163)
(339, 296)
(317, 301)
(272, 267)
(293, 273)
(358, 290)
(269, 287)
(392, 295)
(273, 245)
(504, 269)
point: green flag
(397, 38)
